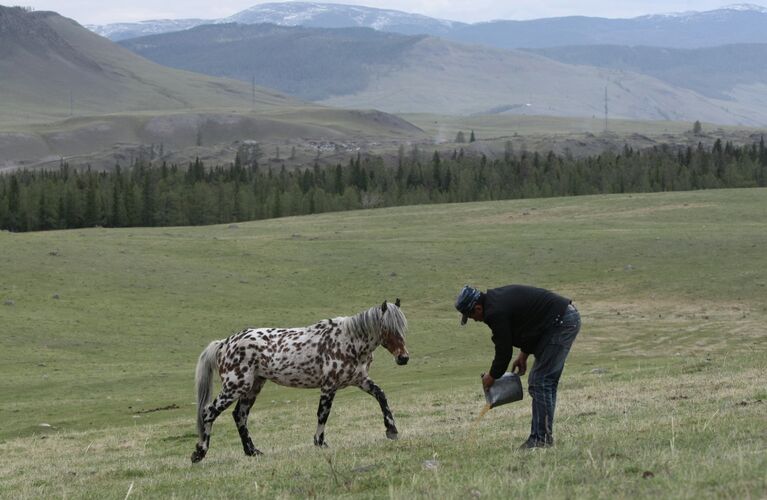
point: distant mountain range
(740, 23)
(309, 14)
(364, 68)
(683, 66)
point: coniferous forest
(172, 195)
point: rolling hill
(712, 71)
(51, 68)
(362, 68)
(67, 92)
(443, 77)
(310, 63)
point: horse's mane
(373, 321)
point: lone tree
(472, 138)
(697, 128)
(459, 137)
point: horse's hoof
(319, 442)
(198, 454)
(252, 452)
(393, 435)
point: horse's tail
(204, 382)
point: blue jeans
(550, 357)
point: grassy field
(663, 395)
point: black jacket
(518, 316)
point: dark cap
(466, 300)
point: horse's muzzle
(402, 360)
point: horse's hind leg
(323, 412)
(211, 412)
(240, 415)
(371, 388)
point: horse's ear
(396, 302)
(383, 307)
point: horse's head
(393, 329)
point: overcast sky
(111, 11)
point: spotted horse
(330, 355)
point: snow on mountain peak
(739, 7)
(746, 7)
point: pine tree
(14, 197)
(46, 215)
(338, 180)
(436, 164)
(72, 213)
(148, 200)
(276, 209)
(508, 151)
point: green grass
(663, 394)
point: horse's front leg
(371, 388)
(323, 412)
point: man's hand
(487, 381)
(519, 366)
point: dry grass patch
(644, 432)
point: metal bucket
(506, 389)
